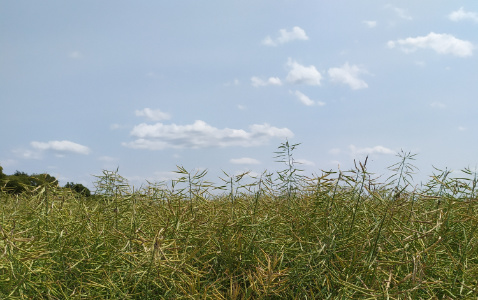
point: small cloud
(402, 13)
(157, 177)
(461, 15)
(8, 163)
(437, 105)
(75, 55)
(257, 82)
(27, 154)
(370, 24)
(235, 82)
(304, 99)
(107, 158)
(335, 163)
(349, 74)
(241, 107)
(461, 128)
(440, 43)
(335, 151)
(116, 126)
(152, 114)
(61, 147)
(244, 161)
(165, 175)
(370, 150)
(250, 174)
(420, 63)
(300, 74)
(355, 152)
(268, 41)
(305, 162)
(202, 135)
(285, 36)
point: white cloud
(335, 151)
(165, 176)
(355, 152)
(257, 82)
(440, 43)
(235, 82)
(116, 126)
(305, 99)
(335, 163)
(370, 150)
(438, 105)
(27, 154)
(75, 55)
(420, 63)
(402, 13)
(461, 14)
(157, 177)
(152, 114)
(245, 161)
(461, 128)
(305, 162)
(285, 36)
(107, 158)
(349, 75)
(200, 135)
(370, 24)
(299, 74)
(61, 146)
(8, 162)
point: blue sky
(219, 85)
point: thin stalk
(359, 196)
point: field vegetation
(336, 235)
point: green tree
(42, 179)
(2, 175)
(79, 188)
(18, 173)
(17, 183)
(20, 182)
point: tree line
(20, 182)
